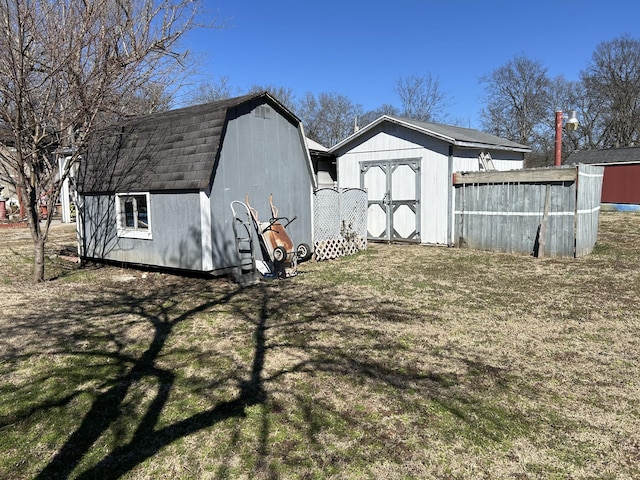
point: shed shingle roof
(459, 136)
(611, 155)
(174, 150)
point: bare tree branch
(612, 82)
(422, 97)
(70, 66)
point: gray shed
(156, 190)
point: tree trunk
(39, 234)
(38, 259)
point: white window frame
(132, 232)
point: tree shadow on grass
(279, 316)
(147, 439)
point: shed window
(133, 220)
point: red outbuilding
(621, 182)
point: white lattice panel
(340, 222)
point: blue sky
(360, 48)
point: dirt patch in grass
(399, 362)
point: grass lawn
(403, 361)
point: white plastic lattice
(340, 219)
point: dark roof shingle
(174, 150)
(459, 136)
(611, 155)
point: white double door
(393, 188)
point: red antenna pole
(558, 160)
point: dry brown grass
(399, 362)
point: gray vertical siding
(177, 232)
(175, 226)
(261, 156)
(98, 217)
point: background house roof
(313, 145)
(612, 155)
(458, 136)
(174, 150)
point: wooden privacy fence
(340, 222)
(546, 212)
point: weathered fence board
(588, 207)
(546, 212)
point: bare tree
(422, 97)
(372, 115)
(221, 89)
(612, 83)
(562, 95)
(67, 66)
(211, 91)
(329, 118)
(517, 99)
(284, 95)
(567, 96)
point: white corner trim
(205, 229)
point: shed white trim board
(206, 240)
(437, 152)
